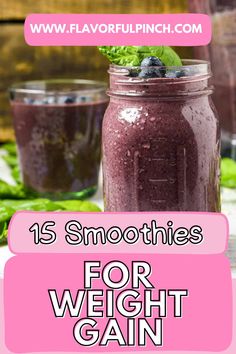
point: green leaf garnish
(133, 55)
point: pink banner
(129, 238)
(108, 298)
(230, 350)
(118, 282)
(117, 29)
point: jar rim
(58, 87)
(193, 82)
(194, 67)
(188, 62)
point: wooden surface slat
(20, 8)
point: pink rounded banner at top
(117, 29)
(25, 226)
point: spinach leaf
(5, 215)
(11, 160)
(15, 197)
(3, 232)
(10, 148)
(9, 206)
(39, 204)
(13, 192)
(228, 173)
(78, 205)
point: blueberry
(170, 74)
(180, 73)
(28, 100)
(188, 71)
(36, 102)
(70, 99)
(154, 61)
(149, 73)
(133, 73)
(49, 100)
(151, 61)
(83, 99)
(175, 74)
(66, 99)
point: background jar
(57, 125)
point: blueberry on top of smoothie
(149, 71)
(185, 72)
(133, 73)
(175, 74)
(151, 61)
(170, 74)
(49, 100)
(70, 99)
(28, 100)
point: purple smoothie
(59, 143)
(160, 145)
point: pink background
(215, 230)
(31, 326)
(68, 39)
(230, 350)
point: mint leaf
(228, 173)
(167, 55)
(133, 55)
(123, 55)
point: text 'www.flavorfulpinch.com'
(122, 29)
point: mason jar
(161, 141)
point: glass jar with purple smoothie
(161, 140)
(58, 133)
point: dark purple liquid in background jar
(161, 144)
(222, 54)
(59, 138)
